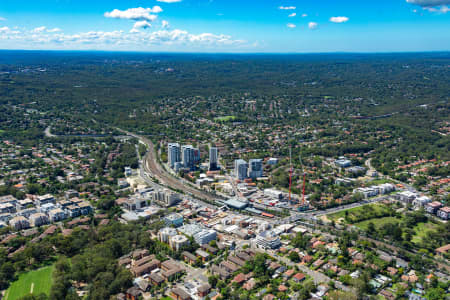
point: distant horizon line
(224, 53)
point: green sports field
(37, 282)
(225, 118)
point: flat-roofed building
(38, 219)
(57, 214)
(178, 241)
(174, 219)
(19, 223)
(166, 233)
(205, 236)
(41, 200)
(268, 240)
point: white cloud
(304, 15)
(312, 25)
(287, 7)
(54, 30)
(165, 24)
(429, 3)
(142, 24)
(339, 19)
(133, 40)
(443, 9)
(292, 15)
(290, 25)
(169, 1)
(2, 19)
(39, 29)
(137, 14)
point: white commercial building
(205, 236)
(268, 240)
(178, 241)
(240, 169)
(274, 193)
(166, 197)
(173, 154)
(166, 233)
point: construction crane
(290, 174)
(303, 206)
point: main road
(151, 166)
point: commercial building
(268, 240)
(205, 236)
(178, 241)
(213, 157)
(166, 233)
(188, 156)
(166, 197)
(190, 229)
(342, 162)
(274, 193)
(173, 154)
(173, 219)
(236, 204)
(255, 168)
(240, 169)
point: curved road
(151, 165)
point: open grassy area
(377, 208)
(421, 230)
(225, 118)
(381, 181)
(37, 282)
(378, 222)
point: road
(48, 133)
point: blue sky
(227, 25)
